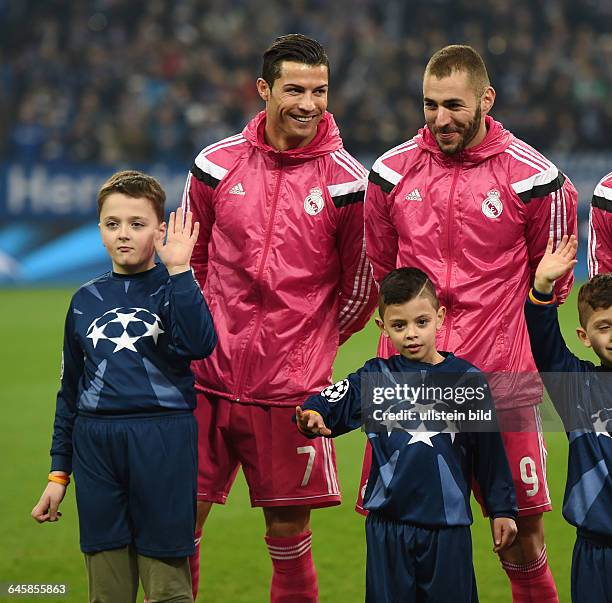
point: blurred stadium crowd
(153, 80)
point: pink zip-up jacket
(600, 228)
(281, 261)
(477, 223)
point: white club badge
(314, 203)
(492, 207)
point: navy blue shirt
(582, 396)
(422, 476)
(128, 344)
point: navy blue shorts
(592, 570)
(412, 564)
(135, 480)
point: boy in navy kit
(582, 395)
(124, 416)
(417, 531)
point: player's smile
(295, 104)
(453, 112)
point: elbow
(206, 346)
(211, 344)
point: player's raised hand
(180, 240)
(554, 265)
(311, 422)
(504, 532)
(46, 507)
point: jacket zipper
(262, 264)
(449, 234)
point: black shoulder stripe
(203, 177)
(349, 198)
(601, 203)
(543, 189)
(377, 179)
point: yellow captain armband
(314, 412)
(538, 302)
(58, 479)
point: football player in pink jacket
(599, 256)
(281, 259)
(473, 206)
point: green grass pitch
(235, 564)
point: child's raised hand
(46, 507)
(555, 264)
(176, 253)
(504, 532)
(310, 422)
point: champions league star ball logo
(313, 204)
(335, 392)
(125, 327)
(492, 207)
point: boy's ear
(162, 231)
(101, 233)
(582, 335)
(381, 325)
(441, 315)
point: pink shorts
(281, 466)
(521, 432)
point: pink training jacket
(600, 228)
(281, 261)
(477, 223)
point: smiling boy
(417, 530)
(582, 394)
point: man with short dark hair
(281, 255)
(473, 206)
(599, 258)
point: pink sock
(532, 582)
(294, 577)
(194, 565)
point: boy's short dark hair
(134, 184)
(459, 57)
(404, 284)
(596, 294)
(292, 47)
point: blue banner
(47, 191)
(48, 215)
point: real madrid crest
(314, 203)
(492, 207)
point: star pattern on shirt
(124, 341)
(424, 436)
(150, 326)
